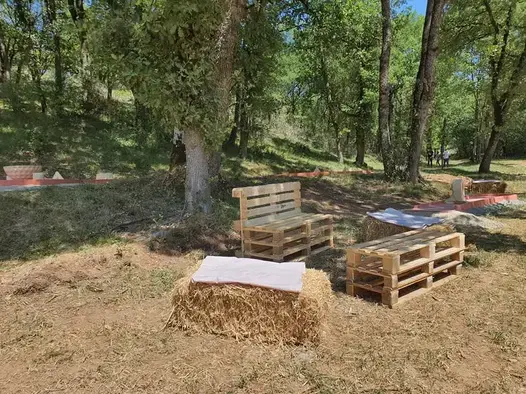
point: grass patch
(55, 219)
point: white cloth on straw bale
(233, 270)
(400, 218)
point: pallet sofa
(404, 266)
(273, 227)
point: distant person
(437, 156)
(446, 158)
(430, 155)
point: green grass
(278, 155)
(54, 219)
(513, 171)
(76, 143)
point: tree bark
(384, 131)
(424, 87)
(231, 142)
(51, 14)
(496, 129)
(339, 148)
(5, 64)
(38, 82)
(500, 98)
(178, 155)
(200, 163)
(363, 124)
(243, 132)
(197, 191)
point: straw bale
(489, 187)
(261, 314)
(372, 229)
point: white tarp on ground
(233, 270)
(394, 216)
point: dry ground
(91, 322)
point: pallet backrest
(264, 204)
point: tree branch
(491, 16)
(505, 37)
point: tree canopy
(354, 78)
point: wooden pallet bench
(404, 266)
(273, 227)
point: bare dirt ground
(91, 322)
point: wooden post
(391, 264)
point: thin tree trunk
(43, 100)
(19, 70)
(384, 96)
(494, 138)
(501, 97)
(178, 155)
(231, 142)
(243, 132)
(360, 147)
(339, 148)
(424, 87)
(109, 90)
(197, 191)
(363, 126)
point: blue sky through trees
(418, 5)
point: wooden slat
(414, 242)
(273, 199)
(376, 289)
(446, 252)
(410, 296)
(412, 279)
(294, 249)
(252, 191)
(444, 267)
(426, 237)
(271, 209)
(319, 240)
(267, 241)
(385, 244)
(367, 244)
(389, 244)
(414, 264)
(305, 217)
(262, 223)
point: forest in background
(86, 84)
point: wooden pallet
(403, 266)
(273, 227)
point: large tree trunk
(425, 86)
(5, 64)
(498, 122)
(197, 192)
(384, 102)
(208, 163)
